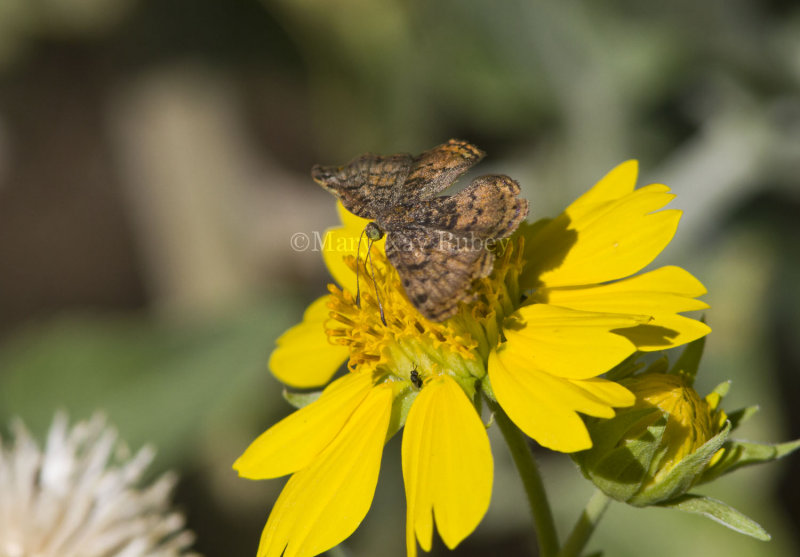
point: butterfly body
(437, 244)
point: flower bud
(656, 449)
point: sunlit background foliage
(154, 160)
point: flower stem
(586, 524)
(531, 480)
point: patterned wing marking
(435, 170)
(367, 185)
(436, 271)
(488, 208)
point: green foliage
(719, 512)
(683, 475)
(169, 385)
(742, 453)
(689, 361)
(298, 399)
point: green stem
(531, 480)
(586, 524)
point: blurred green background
(154, 162)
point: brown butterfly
(438, 244)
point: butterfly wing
(436, 272)
(372, 184)
(435, 170)
(440, 245)
(367, 185)
(488, 208)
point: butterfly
(438, 244)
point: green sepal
(739, 454)
(486, 388)
(626, 368)
(719, 512)
(684, 475)
(400, 407)
(619, 471)
(477, 399)
(606, 433)
(299, 400)
(661, 365)
(689, 361)
(722, 389)
(740, 416)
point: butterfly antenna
(358, 256)
(375, 282)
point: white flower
(81, 497)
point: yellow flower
(543, 327)
(581, 320)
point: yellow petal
(665, 331)
(665, 290)
(619, 181)
(341, 241)
(304, 357)
(614, 241)
(609, 392)
(594, 396)
(570, 343)
(541, 416)
(660, 294)
(447, 466)
(295, 441)
(323, 504)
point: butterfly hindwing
(436, 270)
(488, 208)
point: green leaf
(689, 361)
(299, 400)
(739, 454)
(719, 512)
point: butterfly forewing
(436, 170)
(367, 186)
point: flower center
(407, 342)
